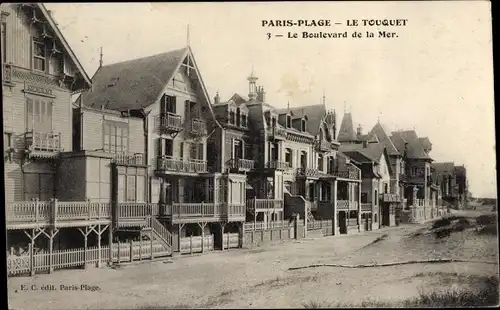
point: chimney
(217, 98)
(261, 94)
(358, 132)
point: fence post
(37, 202)
(88, 209)
(228, 241)
(32, 258)
(151, 243)
(190, 244)
(118, 244)
(140, 245)
(131, 250)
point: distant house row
(144, 149)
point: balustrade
(169, 163)
(265, 204)
(170, 122)
(241, 164)
(278, 165)
(129, 159)
(43, 141)
(277, 133)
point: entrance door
(342, 222)
(385, 214)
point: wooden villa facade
(143, 164)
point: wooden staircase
(159, 232)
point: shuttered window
(121, 188)
(131, 193)
(168, 104)
(196, 151)
(39, 56)
(38, 115)
(132, 185)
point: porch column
(335, 213)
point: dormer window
(238, 117)
(303, 125)
(232, 117)
(288, 121)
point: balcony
(260, 205)
(277, 133)
(278, 165)
(43, 144)
(366, 207)
(347, 205)
(351, 173)
(197, 127)
(307, 172)
(203, 211)
(170, 122)
(413, 179)
(129, 159)
(390, 198)
(323, 146)
(180, 165)
(27, 214)
(240, 164)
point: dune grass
(485, 295)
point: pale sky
(436, 77)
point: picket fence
(318, 224)
(121, 252)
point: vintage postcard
(249, 155)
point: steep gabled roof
(372, 151)
(315, 115)
(133, 84)
(383, 137)
(346, 132)
(426, 143)
(414, 148)
(65, 44)
(444, 168)
(238, 99)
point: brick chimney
(261, 94)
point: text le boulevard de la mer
(377, 28)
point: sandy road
(258, 277)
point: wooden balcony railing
(278, 165)
(50, 212)
(41, 141)
(266, 204)
(323, 146)
(129, 159)
(307, 172)
(351, 173)
(366, 206)
(169, 163)
(170, 122)
(390, 197)
(343, 205)
(197, 127)
(241, 164)
(203, 210)
(277, 133)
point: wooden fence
(194, 244)
(70, 258)
(267, 225)
(230, 241)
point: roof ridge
(145, 57)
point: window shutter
(173, 103)
(187, 109)
(192, 151)
(29, 114)
(163, 104)
(158, 147)
(181, 153)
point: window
(320, 162)
(288, 121)
(288, 157)
(376, 198)
(386, 188)
(39, 56)
(364, 197)
(238, 117)
(38, 115)
(131, 188)
(4, 42)
(168, 104)
(237, 149)
(196, 151)
(115, 137)
(244, 120)
(274, 121)
(232, 118)
(330, 164)
(303, 125)
(303, 160)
